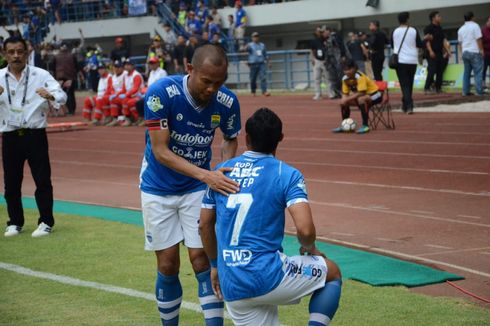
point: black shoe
(469, 94)
(410, 111)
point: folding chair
(381, 113)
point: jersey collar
(188, 95)
(257, 154)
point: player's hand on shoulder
(215, 283)
(312, 251)
(217, 181)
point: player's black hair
(348, 64)
(468, 16)
(432, 15)
(215, 54)
(403, 17)
(264, 129)
(375, 22)
(14, 39)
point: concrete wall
(325, 10)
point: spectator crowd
(190, 24)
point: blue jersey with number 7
(250, 224)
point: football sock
(169, 297)
(212, 307)
(324, 303)
(364, 114)
(345, 111)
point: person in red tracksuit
(129, 95)
(118, 79)
(100, 102)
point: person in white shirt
(24, 94)
(155, 71)
(405, 41)
(155, 74)
(471, 47)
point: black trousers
(435, 67)
(71, 102)
(406, 74)
(17, 147)
(140, 107)
(377, 62)
(486, 64)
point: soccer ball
(348, 125)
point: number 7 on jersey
(244, 201)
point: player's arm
(216, 180)
(207, 231)
(229, 147)
(305, 229)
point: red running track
(421, 192)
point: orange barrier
(66, 126)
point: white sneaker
(316, 97)
(41, 231)
(12, 231)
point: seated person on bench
(357, 90)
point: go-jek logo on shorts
(308, 271)
(191, 140)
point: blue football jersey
(168, 104)
(250, 224)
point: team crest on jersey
(154, 103)
(179, 117)
(215, 120)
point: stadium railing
(289, 70)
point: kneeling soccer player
(242, 235)
(357, 90)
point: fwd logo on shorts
(238, 257)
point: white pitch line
(451, 251)
(121, 141)
(412, 188)
(377, 167)
(400, 254)
(98, 151)
(337, 140)
(94, 285)
(470, 216)
(302, 149)
(421, 212)
(126, 166)
(387, 240)
(437, 246)
(344, 234)
(397, 213)
(108, 165)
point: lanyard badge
(16, 114)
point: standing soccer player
(182, 114)
(242, 235)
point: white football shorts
(304, 275)
(170, 219)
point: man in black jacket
(377, 41)
(435, 52)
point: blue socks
(168, 292)
(212, 307)
(324, 303)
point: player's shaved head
(264, 131)
(209, 53)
